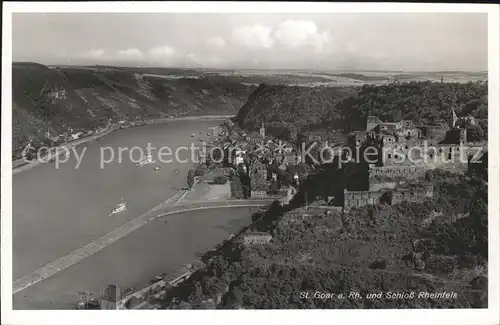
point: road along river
(56, 211)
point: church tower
(456, 134)
(453, 119)
(262, 130)
(463, 136)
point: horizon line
(248, 69)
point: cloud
(162, 52)
(257, 36)
(193, 58)
(196, 60)
(217, 41)
(97, 53)
(292, 34)
(351, 47)
(130, 53)
(455, 40)
(297, 33)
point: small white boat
(119, 208)
(147, 160)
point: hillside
(333, 107)
(301, 107)
(375, 249)
(85, 98)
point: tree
(190, 178)
(274, 188)
(216, 154)
(196, 295)
(246, 191)
(218, 265)
(475, 133)
(220, 179)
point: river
(162, 245)
(56, 211)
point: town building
(110, 297)
(457, 134)
(256, 238)
(260, 191)
(57, 94)
(371, 122)
(386, 127)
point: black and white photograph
(250, 158)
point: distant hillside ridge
(306, 108)
(56, 100)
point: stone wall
(446, 156)
(355, 199)
(404, 153)
(295, 216)
(408, 172)
(377, 186)
(304, 214)
(259, 194)
(412, 195)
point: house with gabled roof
(371, 122)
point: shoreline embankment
(20, 165)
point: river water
(56, 211)
(162, 245)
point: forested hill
(85, 98)
(293, 106)
(423, 102)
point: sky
(326, 42)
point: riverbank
(55, 151)
(20, 165)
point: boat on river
(146, 160)
(119, 208)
